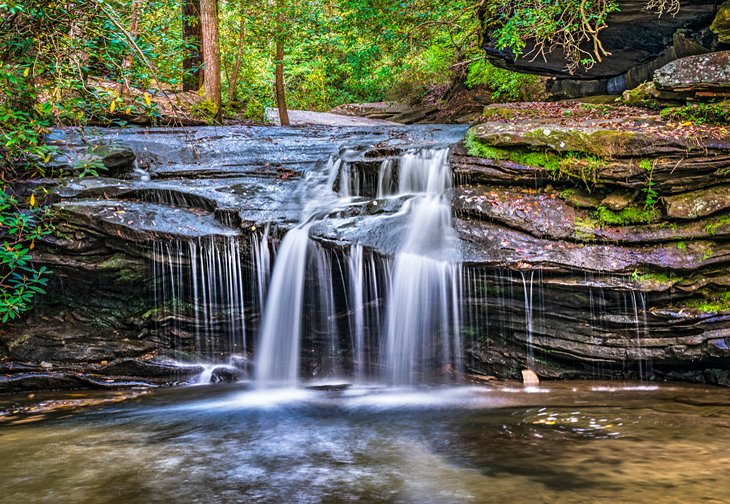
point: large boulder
(702, 76)
(639, 41)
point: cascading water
(420, 320)
(423, 298)
(369, 284)
(200, 294)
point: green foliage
(571, 25)
(651, 195)
(505, 85)
(204, 110)
(629, 216)
(711, 227)
(703, 113)
(20, 227)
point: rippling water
(562, 443)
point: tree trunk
(239, 57)
(279, 69)
(192, 38)
(211, 54)
(128, 60)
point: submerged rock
(226, 374)
(530, 378)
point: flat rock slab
(491, 244)
(542, 215)
(706, 72)
(695, 204)
(611, 138)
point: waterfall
(281, 329)
(199, 288)
(423, 303)
(420, 315)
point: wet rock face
(132, 253)
(581, 234)
(567, 269)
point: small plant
(651, 195)
(20, 227)
(703, 113)
(711, 227)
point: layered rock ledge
(624, 217)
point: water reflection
(571, 442)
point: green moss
(711, 227)
(585, 228)
(629, 216)
(585, 168)
(115, 262)
(715, 304)
(204, 110)
(477, 148)
(659, 278)
(130, 275)
(703, 113)
(567, 194)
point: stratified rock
(705, 75)
(633, 35)
(118, 159)
(149, 369)
(695, 204)
(111, 160)
(541, 215)
(721, 24)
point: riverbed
(561, 442)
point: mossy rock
(583, 139)
(721, 24)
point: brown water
(577, 442)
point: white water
(421, 319)
(423, 299)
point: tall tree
(128, 60)
(233, 80)
(211, 54)
(279, 62)
(192, 38)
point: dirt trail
(302, 117)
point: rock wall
(640, 42)
(624, 219)
(594, 243)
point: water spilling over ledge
(352, 255)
